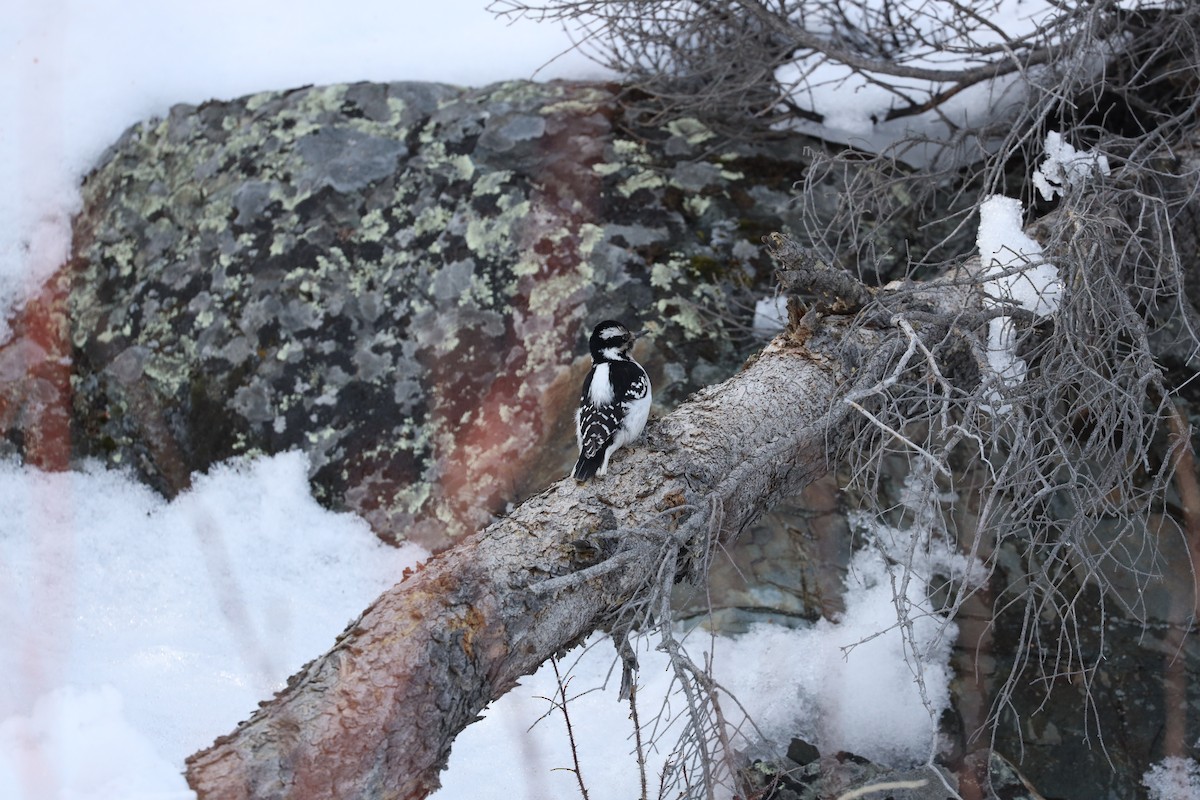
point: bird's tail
(586, 467)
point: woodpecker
(615, 400)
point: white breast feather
(601, 393)
(636, 412)
(639, 410)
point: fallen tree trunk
(376, 715)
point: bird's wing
(597, 424)
(629, 381)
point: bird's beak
(651, 328)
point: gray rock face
(398, 280)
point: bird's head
(611, 341)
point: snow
(854, 107)
(138, 630)
(1173, 778)
(78, 743)
(143, 629)
(1004, 247)
(1022, 276)
(1064, 166)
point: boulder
(398, 280)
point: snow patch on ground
(142, 629)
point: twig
(562, 692)
(933, 460)
(637, 735)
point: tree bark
(376, 715)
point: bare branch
(798, 38)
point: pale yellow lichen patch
(482, 235)
(325, 266)
(491, 182)
(527, 264)
(480, 293)
(685, 315)
(608, 168)
(629, 150)
(691, 129)
(514, 207)
(153, 205)
(543, 351)
(590, 235)
(285, 352)
(588, 103)
(256, 101)
(553, 294)
(432, 219)
(321, 98)
(697, 204)
(167, 371)
(432, 148)
(211, 224)
(303, 127)
(492, 236)
(373, 226)
(464, 167)
(122, 253)
(661, 275)
(145, 174)
(396, 106)
(642, 180)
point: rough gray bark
(375, 716)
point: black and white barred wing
(632, 383)
(597, 426)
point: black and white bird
(615, 400)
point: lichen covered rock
(398, 280)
